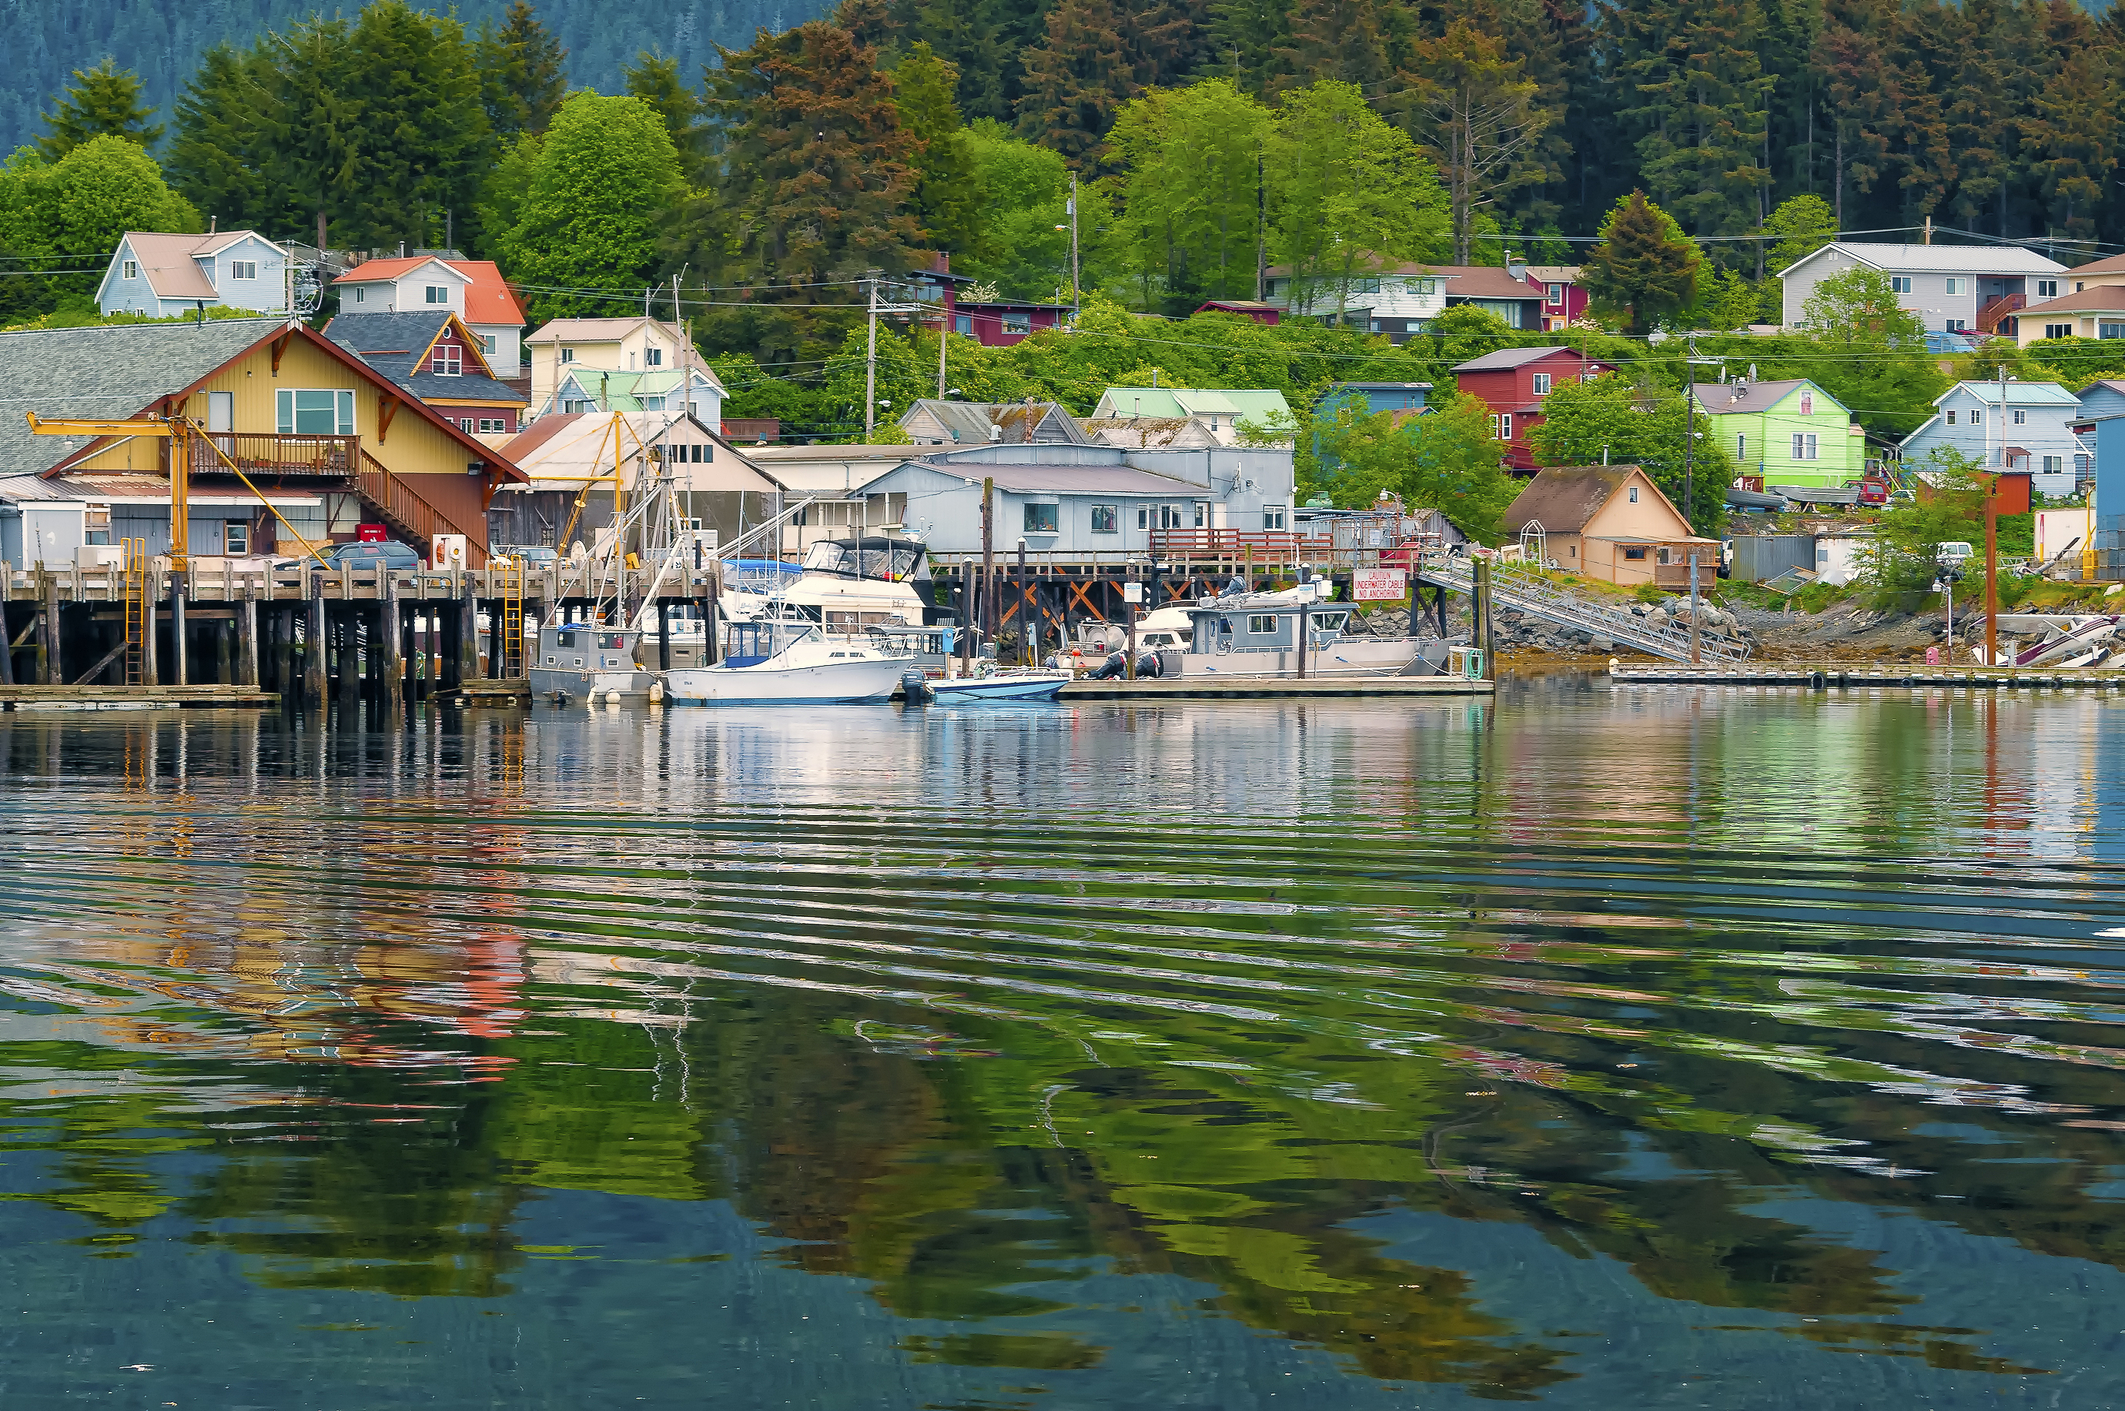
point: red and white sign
(371, 534)
(1379, 585)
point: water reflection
(1569, 1048)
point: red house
(994, 323)
(1564, 298)
(1251, 308)
(1513, 382)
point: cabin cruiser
(586, 658)
(777, 662)
(845, 586)
(1260, 635)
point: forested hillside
(43, 41)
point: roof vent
(995, 432)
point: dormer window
(448, 360)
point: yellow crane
(183, 430)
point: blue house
(2018, 426)
(1371, 398)
(162, 275)
(2103, 399)
(1088, 501)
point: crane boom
(66, 426)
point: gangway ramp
(1515, 587)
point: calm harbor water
(1592, 1049)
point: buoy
(656, 693)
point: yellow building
(1612, 523)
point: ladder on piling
(1514, 587)
(508, 663)
(135, 571)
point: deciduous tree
(949, 201)
(1615, 420)
(1192, 162)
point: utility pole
(988, 555)
(870, 362)
(1076, 296)
(944, 344)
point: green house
(1789, 433)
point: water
(1646, 1049)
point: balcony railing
(1226, 545)
(329, 457)
(1988, 318)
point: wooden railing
(402, 507)
(1263, 546)
(331, 456)
(1988, 318)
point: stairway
(1516, 588)
(392, 499)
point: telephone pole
(870, 361)
(1076, 297)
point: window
(1804, 446)
(1272, 516)
(235, 538)
(1040, 519)
(492, 426)
(1018, 323)
(488, 342)
(1637, 553)
(1807, 404)
(1143, 516)
(1952, 325)
(1900, 283)
(437, 294)
(1103, 519)
(2047, 289)
(2021, 418)
(1955, 286)
(243, 269)
(448, 360)
(568, 355)
(2058, 330)
(1202, 514)
(2110, 330)
(1261, 624)
(963, 323)
(132, 269)
(321, 411)
(1169, 516)
(653, 357)
(1542, 384)
(466, 423)
(2054, 465)
(1741, 446)
(1634, 494)
(1501, 426)
(1556, 294)
(1977, 418)
(358, 292)
(1951, 418)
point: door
(221, 411)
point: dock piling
(314, 646)
(247, 637)
(180, 660)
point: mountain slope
(43, 41)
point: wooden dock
(1229, 688)
(134, 697)
(515, 691)
(1849, 675)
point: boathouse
(333, 450)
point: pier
(1241, 688)
(1828, 675)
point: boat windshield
(866, 558)
(747, 643)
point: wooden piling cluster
(307, 635)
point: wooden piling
(180, 661)
(350, 662)
(247, 637)
(150, 649)
(394, 655)
(467, 608)
(314, 647)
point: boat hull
(1349, 657)
(547, 680)
(826, 683)
(989, 690)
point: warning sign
(1379, 585)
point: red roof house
(1513, 382)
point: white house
(593, 345)
(1399, 298)
(585, 389)
(2022, 426)
(474, 290)
(161, 275)
(1952, 288)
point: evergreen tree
(585, 237)
(104, 99)
(523, 73)
(1077, 78)
(1701, 108)
(420, 138)
(655, 80)
(1643, 264)
(1476, 117)
(1344, 41)
(816, 174)
(2073, 143)
(219, 135)
(963, 33)
(948, 198)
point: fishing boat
(585, 659)
(846, 586)
(1002, 686)
(784, 663)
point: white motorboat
(1266, 635)
(846, 586)
(781, 663)
(1000, 686)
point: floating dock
(1228, 688)
(134, 697)
(1825, 676)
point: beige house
(2097, 311)
(1612, 523)
(598, 345)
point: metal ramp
(1514, 587)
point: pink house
(1563, 296)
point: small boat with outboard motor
(777, 662)
(983, 688)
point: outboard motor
(1109, 669)
(915, 688)
(1149, 665)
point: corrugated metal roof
(593, 330)
(2029, 394)
(1519, 357)
(1944, 259)
(1070, 479)
(170, 263)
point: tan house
(579, 345)
(1612, 523)
(2097, 311)
(334, 444)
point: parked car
(388, 554)
(528, 556)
